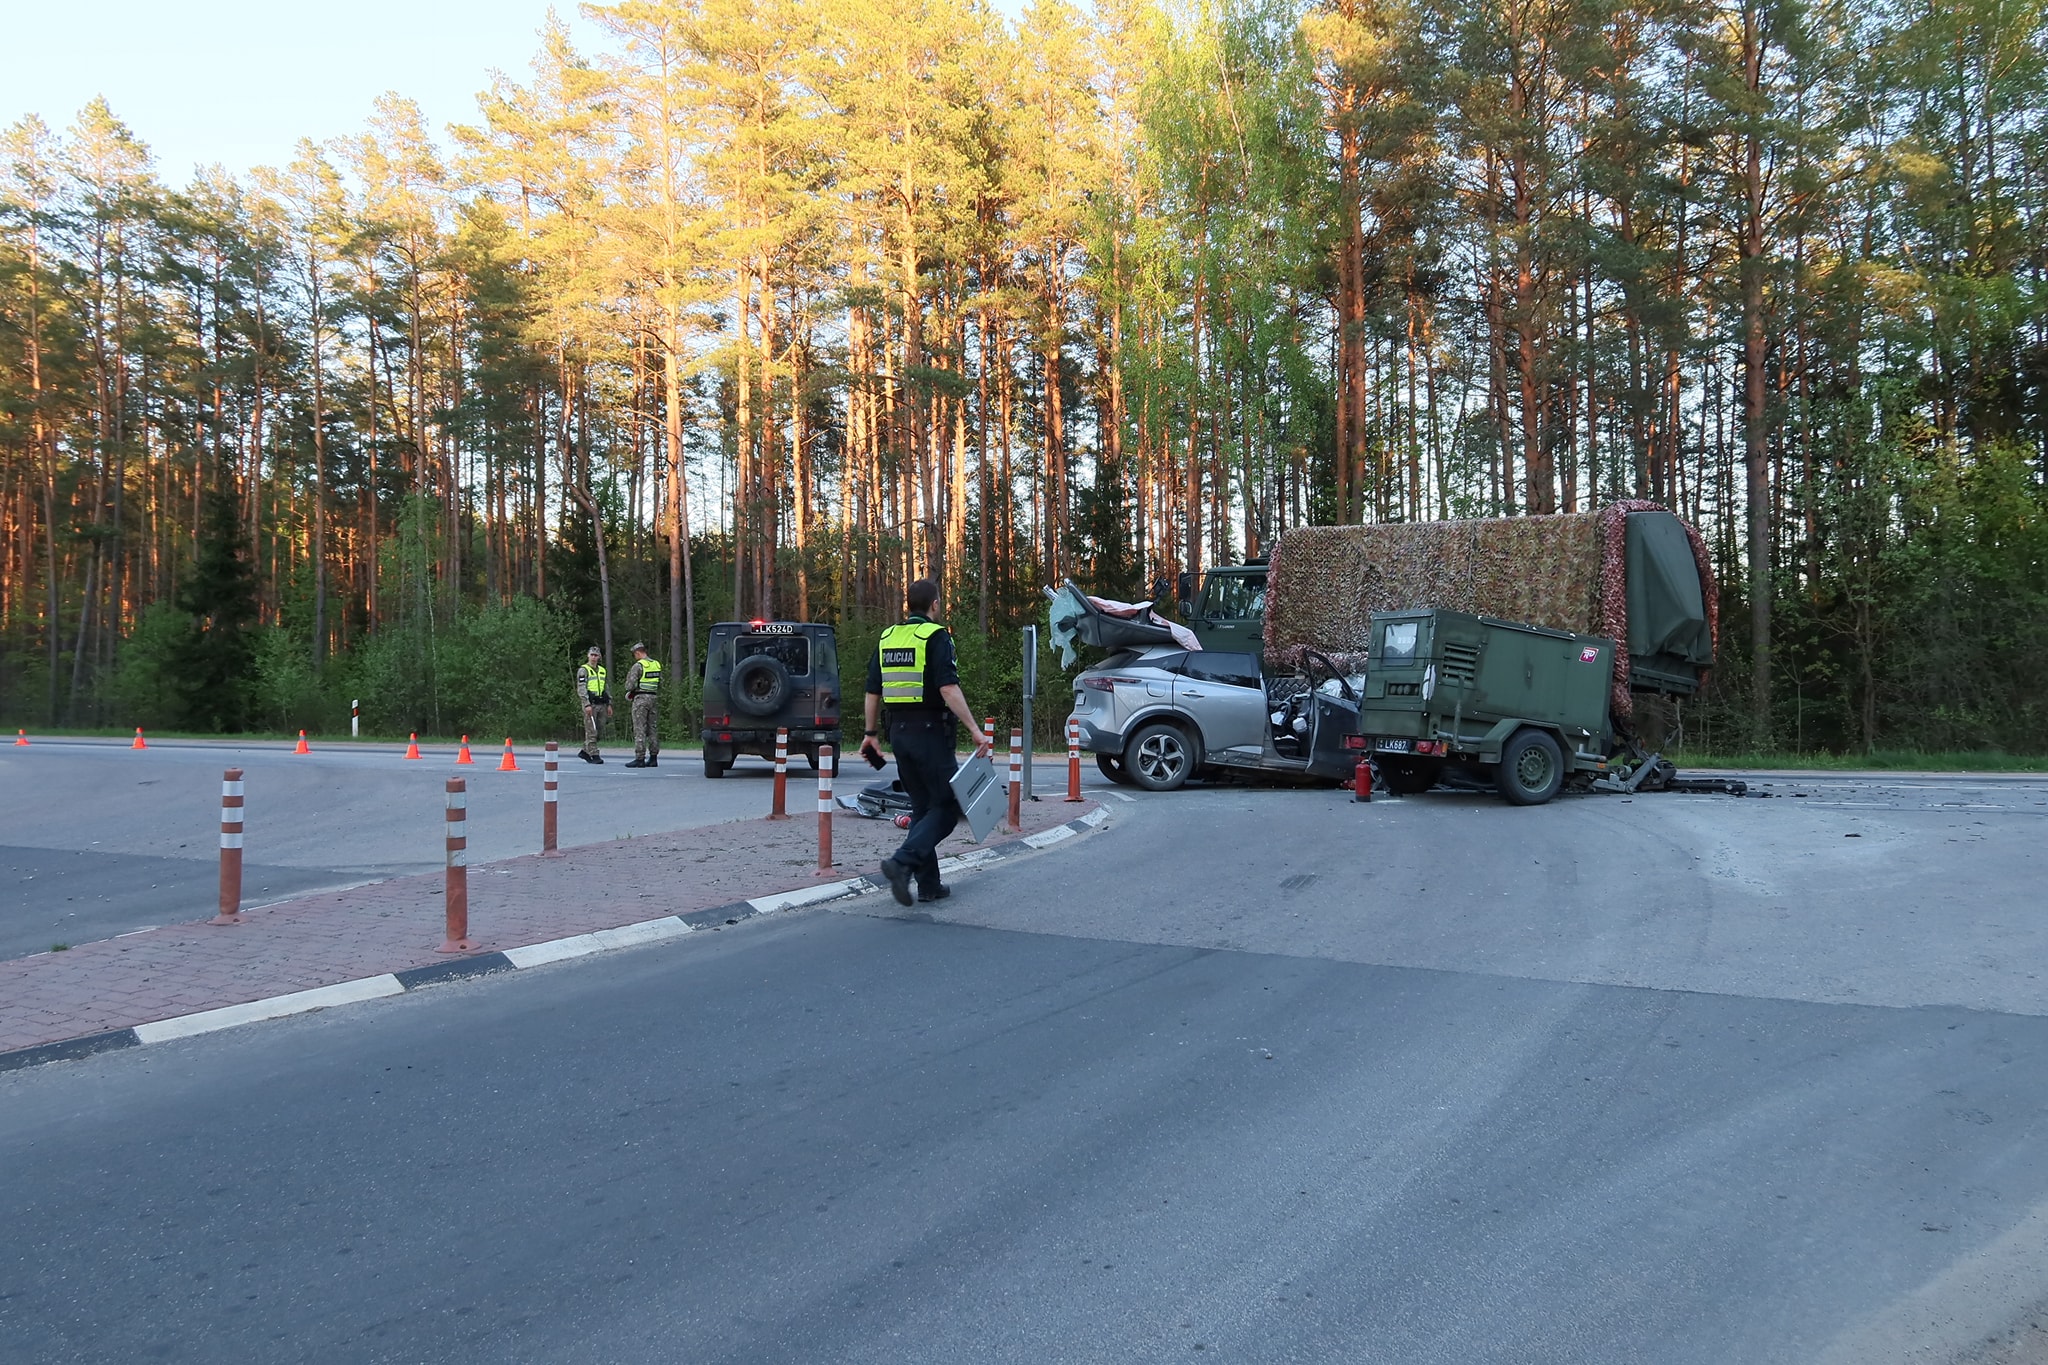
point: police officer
(643, 687)
(916, 676)
(596, 703)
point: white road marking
(298, 1002)
(1047, 837)
(810, 895)
(1121, 797)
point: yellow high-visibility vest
(593, 680)
(650, 677)
(903, 651)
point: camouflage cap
(596, 653)
(639, 648)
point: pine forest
(763, 307)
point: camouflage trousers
(646, 727)
(594, 720)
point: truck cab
(1230, 612)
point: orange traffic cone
(21, 739)
(412, 748)
(508, 764)
(302, 747)
(138, 744)
(462, 756)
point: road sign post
(1030, 691)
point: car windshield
(793, 652)
(1234, 596)
(1398, 643)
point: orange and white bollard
(21, 739)
(455, 899)
(508, 764)
(230, 848)
(1073, 760)
(548, 792)
(462, 754)
(412, 746)
(302, 748)
(828, 762)
(138, 744)
(781, 810)
(1016, 781)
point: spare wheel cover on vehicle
(760, 685)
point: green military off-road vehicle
(761, 676)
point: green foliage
(146, 688)
(493, 671)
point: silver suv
(1155, 717)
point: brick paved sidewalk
(394, 925)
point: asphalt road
(1257, 1076)
(97, 839)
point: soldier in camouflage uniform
(643, 688)
(596, 701)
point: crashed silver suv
(1156, 716)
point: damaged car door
(1226, 695)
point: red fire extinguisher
(1361, 779)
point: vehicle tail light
(1425, 746)
(1354, 741)
(725, 738)
(1101, 684)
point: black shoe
(589, 758)
(597, 758)
(933, 893)
(652, 763)
(637, 763)
(899, 880)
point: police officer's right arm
(874, 707)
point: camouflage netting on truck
(1565, 572)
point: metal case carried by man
(982, 797)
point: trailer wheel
(1531, 768)
(1113, 768)
(1159, 757)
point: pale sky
(241, 81)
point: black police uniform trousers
(924, 760)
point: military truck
(1230, 612)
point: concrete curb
(513, 959)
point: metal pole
(1030, 690)
(828, 762)
(456, 899)
(230, 848)
(781, 811)
(548, 793)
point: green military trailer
(1448, 693)
(1525, 709)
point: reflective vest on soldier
(650, 678)
(593, 682)
(904, 652)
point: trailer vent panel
(1460, 666)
